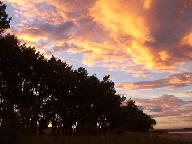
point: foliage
(35, 91)
(4, 20)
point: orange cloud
(171, 82)
(187, 40)
(147, 4)
(122, 18)
(164, 55)
(29, 38)
(136, 21)
(94, 52)
(149, 34)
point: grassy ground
(182, 137)
(126, 138)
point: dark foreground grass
(126, 138)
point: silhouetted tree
(135, 119)
(4, 19)
(35, 91)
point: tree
(134, 119)
(4, 19)
(35, 91)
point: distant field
(126, 138)
(181, 136)
(184, 135)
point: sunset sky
(145, 45)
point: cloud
(165, 105)
(168, 108)
(120, 34)
(47, 31)
(188, 93)
(150, 41)
(171, 82)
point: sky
(144, 45)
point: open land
(125, 138)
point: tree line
(36, 92)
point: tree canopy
(35, 92)
(4, 19)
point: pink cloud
(170, 82)
(168, 108)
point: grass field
(187, 137)
(126, 138)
